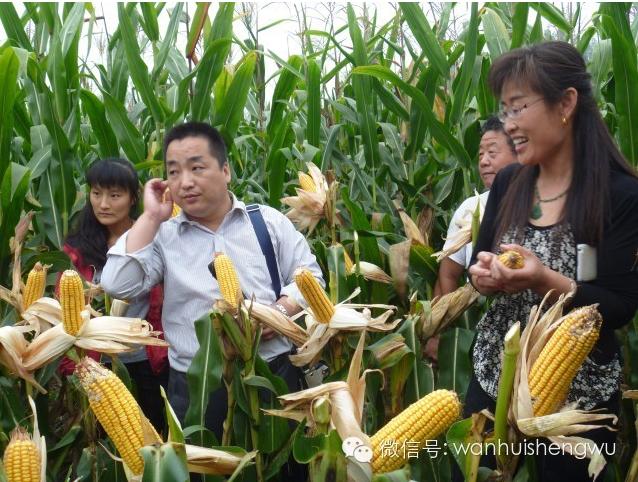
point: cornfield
(388, 113)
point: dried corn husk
(202, 460)
(371, 272)
(558, 427)
(447, 308)
(13, 347)
(464, 233)
(345, 318)
(308, 208)
(106, 334)
(346, 401)
(399, 265)
(412, 231)
(279, 322)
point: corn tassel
(424, 420)
(34, 289)
(117, 411)
(228, 280)
(512, 259)
(22, 458)
(322, 308)
(306, 182)
(561, 358)
(71, 301)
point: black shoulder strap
(259, 225)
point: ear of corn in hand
(322, 308)
(22, 458)
(559, 361)
(117, 411)
(34, 289)
(424, 420)
(71, 301)
(227, 279)
(306, 182)
(512, 259)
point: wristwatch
(282, 308)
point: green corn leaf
(467, 67)
(149, 14)
(13, 26)
(205, 372)
(168, 41)
(313, 83)
(232, 109)
(498, 40)
(72, 26)
(127, 134)
(553, 15)
(137, 66)
(107, 142)
(423, 33)
(364, 100)
(519, 24)
(286, 85)
(208, 71)
(195, 30)
(438, 130)
(625, 79)
(9, 66)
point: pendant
(537, 212)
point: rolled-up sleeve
(294, 252)
(127, 275)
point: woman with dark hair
(111, 211)
(571, 187)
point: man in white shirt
(496, 151)
(178, 251)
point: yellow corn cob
(322, 308)
(227, 278)
(512, 259)
(306, 182)
(117, 411)
(424, 420)
(71, 301)
(176, 210)
(22, 458)
(346, 260)
(561, 358)
(34, 288)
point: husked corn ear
(34, 289)
(117, 411)
(322, 308)
(176, 210)
(71, 301)
(512, 259)
(561, 358)
(424, 420)
(22, 458)
(227, 279)
(306, 182)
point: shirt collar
(236, 205)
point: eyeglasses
(515, 112)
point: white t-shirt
(462, 215)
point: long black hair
(90, 237)
(549, 69)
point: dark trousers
(147, 386)
(550, 468)
(218, 404)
